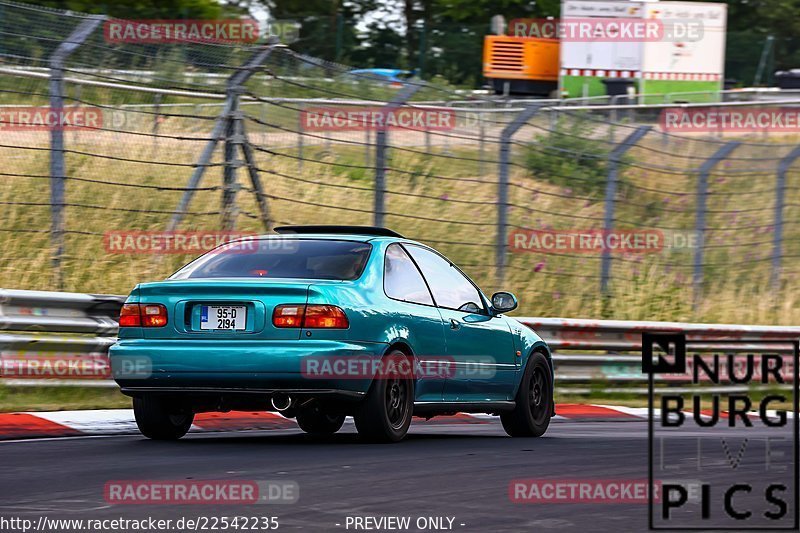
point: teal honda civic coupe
(323, 322)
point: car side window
(450, 288)
(401, 278)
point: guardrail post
(502, 184)
(611, 194)
(380, 152)
(57, 163)
(700, 220)
(777, 238)
(224, 128)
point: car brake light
(129, 316)
(144, 315)
(309, 316)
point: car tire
(158, 421)
(317, 422)
(385, 414)
(534, 401)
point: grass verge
(14, 398)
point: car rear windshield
(281, 258)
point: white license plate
(231, 317)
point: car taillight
(153, 315)
(288, 316)
(143, 315)
(325, 316)
(309, 316)
(129, 316)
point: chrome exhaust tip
(281, 402)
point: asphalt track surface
(459, 471)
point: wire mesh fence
(584, 210)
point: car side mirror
(503, 302)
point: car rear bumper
(237, 367)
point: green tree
(749, 23)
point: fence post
(700, 219)
(252, 170)
(233, 140)
(156, 119)
(224, 124)
(57, 163)
(780, 190)
(482, 139)
(612, 122)
(78, 92)
(611, 194)
(367, 142)
(502, 185)
(445, 138)
(380, 152)
(300, 138)
(199, 169)
(428, 145)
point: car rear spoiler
(350, 230)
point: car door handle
(454, 324)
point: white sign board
(601, 55)
(690, 55)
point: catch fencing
(52, 338)
(584, 207)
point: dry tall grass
(446, 200)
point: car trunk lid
(192, 305)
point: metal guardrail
(73, 329)
(59, 312)
(622, 342)
(81, 327)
